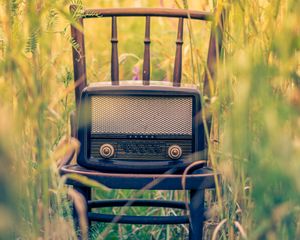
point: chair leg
(86, 193)
(196, 214)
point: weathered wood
(79, 64)
(146, 65)
(79, 51)
(155, 12)
(197, 215)
(114, 52)
(203, 179)
(197, 181)
(178, 57)
(214, 50)
(73, 123)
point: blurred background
(255, 104)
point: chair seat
(202, 178)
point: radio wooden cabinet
(143, 136)
(148, 129)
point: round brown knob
(106, 150)
(174, 152)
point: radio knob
(106, 150)
(174, 152)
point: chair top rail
(155, 12)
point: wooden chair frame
(80, 14)
(195, 182)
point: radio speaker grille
(141, 115)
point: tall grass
(259, 125)
(255, 138)
(31, 71)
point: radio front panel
(147, 150)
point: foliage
(255, 140)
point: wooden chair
(195, 182)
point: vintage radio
(124, 128)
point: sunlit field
(254, 102)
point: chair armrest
(71, 149)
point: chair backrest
(79, 52)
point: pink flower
(136, 72)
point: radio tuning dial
(106, 150)
(175, 152)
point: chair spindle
(114, 53)
(146, 65)
(178, 57)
